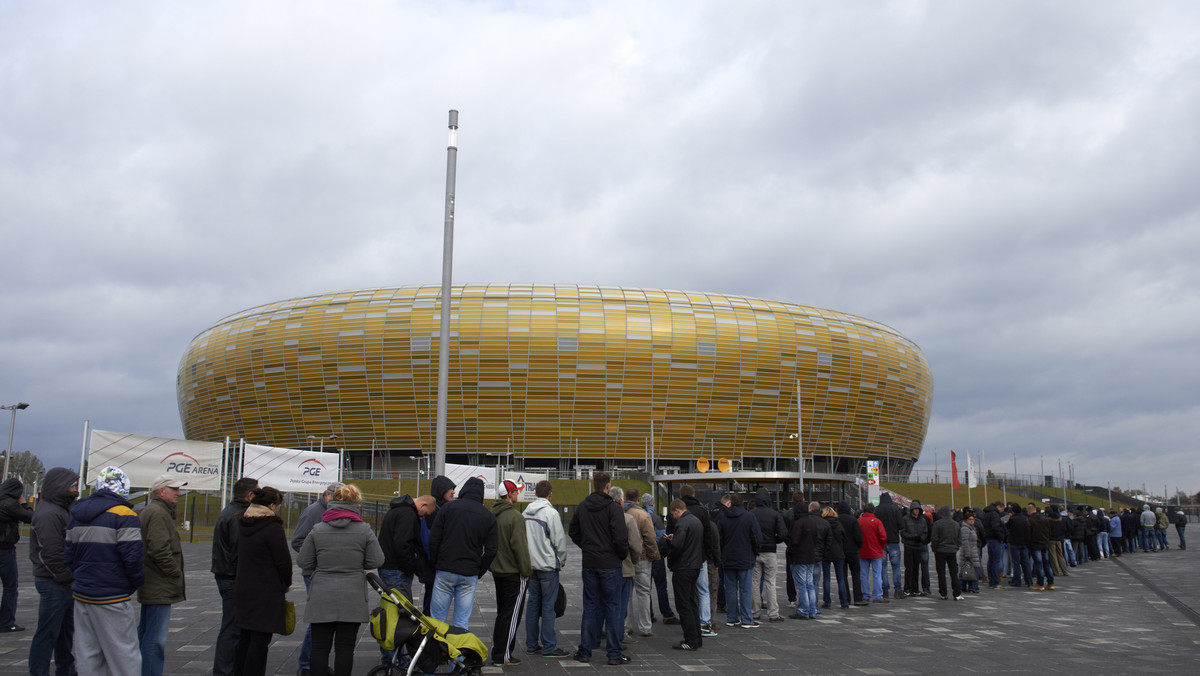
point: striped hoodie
(104, 549)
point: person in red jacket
(870, 557)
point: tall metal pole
(443, 385)
(799, 436)
(12, 424)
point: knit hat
(114, 480)
(647, 501)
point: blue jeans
(225, 650)
(1182, 542)
(459, 589)
(601, 588)
(892, 557)
(839, 569)
(55, 630)
(626, 588)
(1161, 534)
(702, 593)
(871, 573)
(152, 637)
(1069, 550)
(1041, 565)
(1021, 563)
(995, 562)
(1102, 543)
(392, 579)
(539, 611)
(806, 591)
(925, 569)
(8, 577)
(738, 594)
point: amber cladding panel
(538, 369)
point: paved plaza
(1138, 613)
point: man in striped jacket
(104, 551)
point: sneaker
(533, 651)
(791, 604)
(671, 620)
(617, 661)
(778, 618)
(958, 598)
(882, 601)
(647, 633)
(1037, 587)
(825, 606)
(707, 632)
(861, 603)
(752, 625)
(684, 645)
(578, 657)
(510, 662)
(732, 624)
(1049, 586)
(557, 653)
(943, 596)
(15, 627)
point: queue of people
(92, 556)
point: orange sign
(702, 465)
(723, 464)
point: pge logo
(311, 470)
(186, 464)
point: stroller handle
(375, 581)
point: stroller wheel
(386, 670)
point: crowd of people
(91, 556)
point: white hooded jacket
(545, 552)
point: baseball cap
(507, 488)
(166, 481)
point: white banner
(972, 479)
(527, 482)
(460, 473)
(290, 470)
(144, 458)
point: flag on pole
(953, 470)
(972, 480)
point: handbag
(560, 604)
(289, 618)
(967, 574)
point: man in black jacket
(914, 534)
(12, 513)
(404, 555)
(598, 528)
(852, 544)
(994, 531)
(1018, 546)
(774, 531)
(462, 544)
(740, 536)
(224, 569)
(712, 555)
(889, 514)
(685, 556)
(52, 577)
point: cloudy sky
(1011, 185)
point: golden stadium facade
(560, 375)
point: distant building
(562, 375)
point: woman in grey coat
(338, 551)
(968, 550)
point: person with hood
(224, 570)
(639, 618)
(968, 549)
(1146, 534)
(835, 559)
(310, 517)
(547, 556)
(890, 515)
(1091, 533)
(511, 569)
(339, 551)
(264, 575)
(658, 568)
(1059, 529)
(1018, 546)
(946, 539)
(598, 528)
(914, 534)
(995, 535)
(165, 582)
(1160, 528)
(404, 554)
(13, 512)
(766, 564)
(740, 536)
(852, 545)
(51, 575)
(874, 545)
(1181, 520)
(1078, 536)
(685, 556)
(442, 489)
(103, 549)
(462, 544)
(1039, 549)
(806, 543)
(1115, 539)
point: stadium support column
(444, 331)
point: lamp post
(321, 445)
(19, 406)
(443, 381)
(799, 455)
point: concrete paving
(1138, 613)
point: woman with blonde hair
(338, 551)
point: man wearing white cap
(163, 556)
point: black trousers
(912, 568)
(341, 637)
(852, 566)
(946, 562)
(658, 573)
(510, 606)
(687, 604)
(250, 655)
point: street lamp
(321, 446)
(20, 406)
(799, 455)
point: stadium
(561, 377)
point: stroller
(428, 644)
